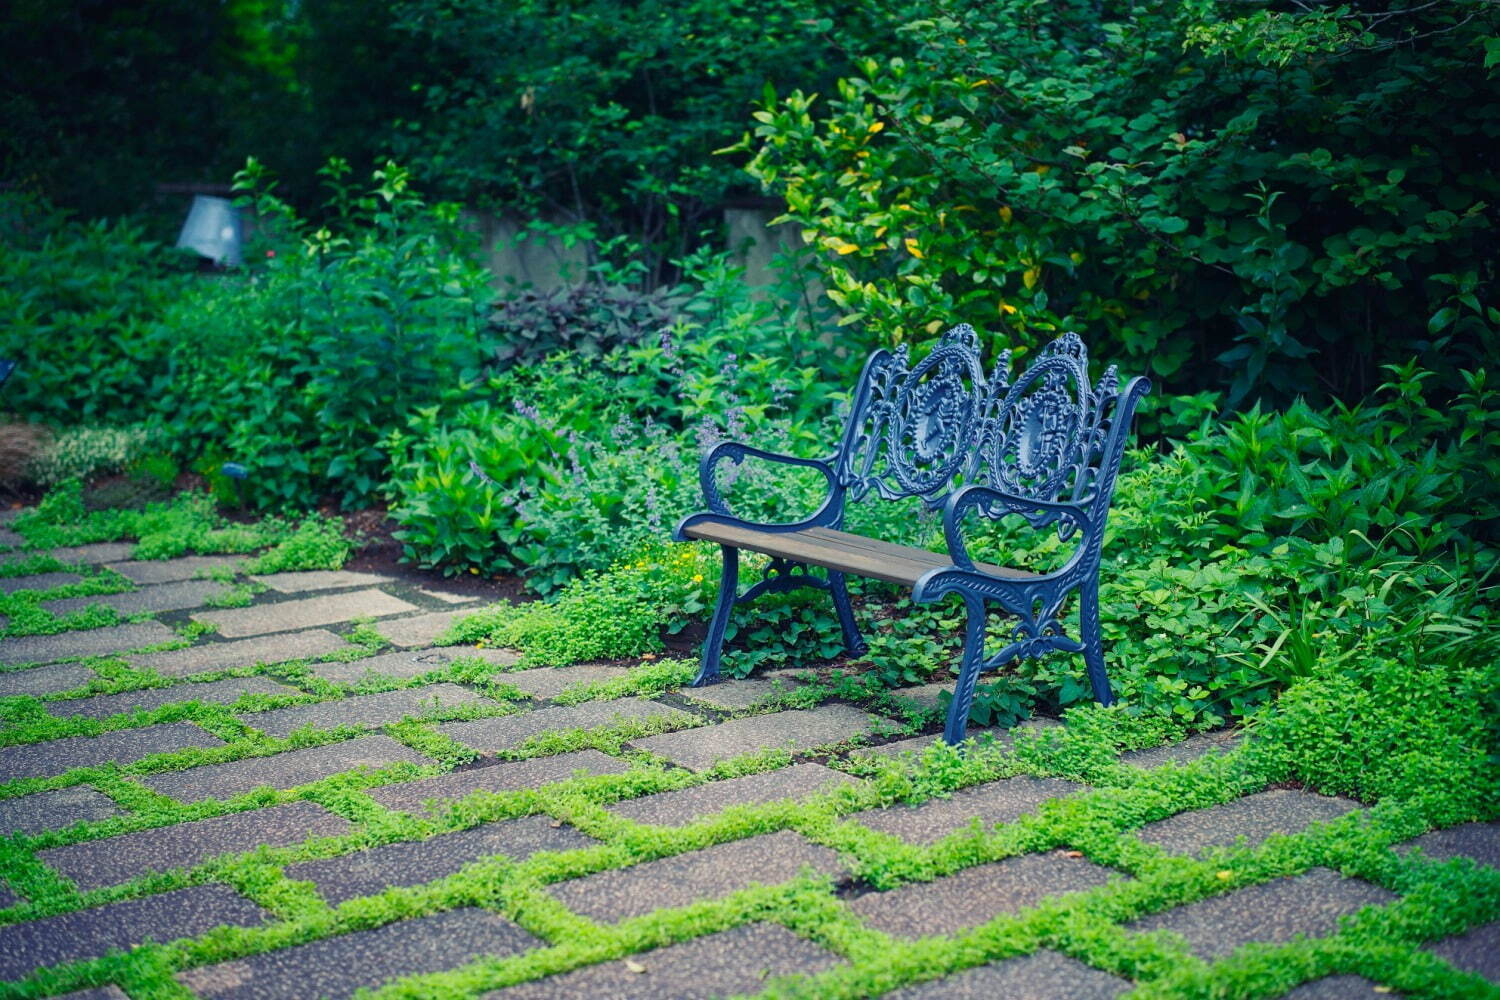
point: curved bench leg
(854, 643)
(968, 672)
(1093, 643)
(713, 646)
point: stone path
(270, 810)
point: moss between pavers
(1438, 899)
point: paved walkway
(270, 812)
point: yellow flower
(698, 578)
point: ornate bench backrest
(926, 430)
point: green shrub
(1276, 200)
(78, 309)
(588, 319)
(83, 452)
(303, 364)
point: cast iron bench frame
(1045, 447)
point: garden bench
(1045, 447)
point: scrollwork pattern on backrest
(924, 430)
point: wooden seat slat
(840, 550)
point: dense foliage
(1280, 202)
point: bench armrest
(994, 503)
(737, 452)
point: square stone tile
(365, 709)
(1045, 975)
(503, 776)
(668, 883)
(510, 731)
(123, 746)
(420, 630)
(1185, 752)
(282, 770)
(54, 810)
(404, 665)
(70, 937)
(925, 695)
(682, 807)
(222, 692)
(95, 554)
(371, 872)
(1341, 988)
(90, 642)
(738, 961)
(336, 967)
(798, 730)
(1272, 912)
(1479, 841)
(736, 696)
(1254, 817)
(1477, 951)
(94, 864)
(549, 682)
(977, 895)
(41, 581)
(161, 597)
(309, 612)
(320, 579)
(447, 598)
(211, 656)
(44, 680)
(995, 802)
(173, 570)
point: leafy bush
(78, 310)
(1280, 201)
(588, 319)
(331, 340)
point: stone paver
(42, 581)
(403, 666)
(284, 616)
(365, 709)
(507, 776)
(44, 680)
(159, 597)
(1045, 975)
(338, 966)
(682, 807)
(1185, 752)
(91, 642)
(549, 682)
(735, 696)
(1477, 951)
(319, 579)
(977, 895)
(90, 933)
(283, 770)
(369, 873)
(925, 695)
(124, 746)
(801, 729)
(1272, 912)
(1479, 841)
(418, 631)
(768, 859)
(54, 810)
(723, 964)
(1255, 817)
(1341, 988)
(7, 898)
(211, 656)
(173, 570)
(447, 598)
(96, 553)
(110, 992)
(509, 731)
(995, 802)
(94, 864)
(221, 692)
